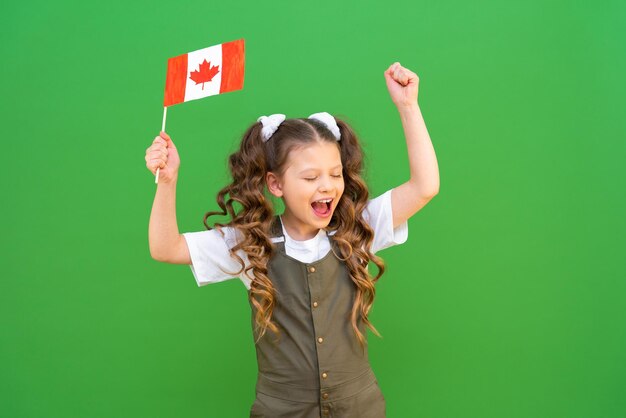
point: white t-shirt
(210, 256)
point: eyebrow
(312, 168)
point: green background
(509, 297)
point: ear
(273, 184)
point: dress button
(312, 269)
(325, 411)
(315, 304)
(320, 340)
(325, 395)
(324, 375)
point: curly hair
(249, 165)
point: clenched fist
(402, 84)
(162, 154)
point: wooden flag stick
(156, 179)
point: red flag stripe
(232, 66)
(175, 80)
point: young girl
(306, 270)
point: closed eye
(314, 178)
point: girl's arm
(423, 184)
(166, 243)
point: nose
(326, 184)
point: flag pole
(156, 179)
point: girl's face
(312, 173)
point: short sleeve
(211, 261)
(378, 214)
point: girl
(309, 288)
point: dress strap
(276, 230)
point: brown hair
(248, 188)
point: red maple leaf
(205, 73)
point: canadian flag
(214, 70)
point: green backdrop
(508, 299)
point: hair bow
(328, 120)
(270, 124)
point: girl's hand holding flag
(198, 74)
(162, 155)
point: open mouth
(322, 207)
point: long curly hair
(248, 189)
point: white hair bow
(328, 120)
(272, 122)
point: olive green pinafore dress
(317, 368)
